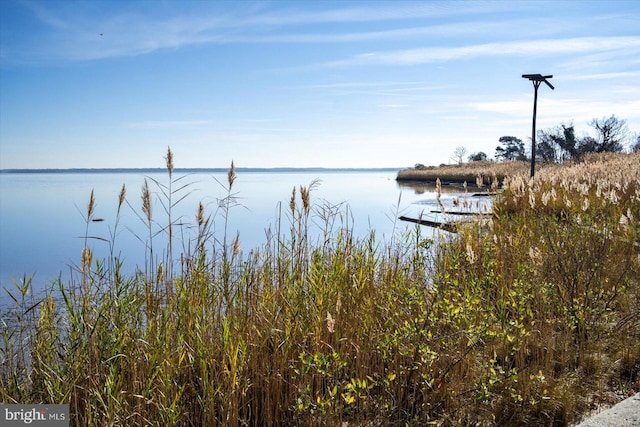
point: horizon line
(212, 169)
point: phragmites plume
(331, 323)
(121, 197)
(495, 183)
(439, 194)
(471, 255)
(236, 245)
(91, 206)
(87, 256)
(161, 274)
(479, 181)
(231, 175)
(292, 202)
(623, 222)
(532, 199)
(169, 160)
(146, 200)
(304, 195)
(200, 215)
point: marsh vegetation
(534, 320)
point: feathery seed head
(231, 175)
(331, 323)
(121, 197)
(236, 245)
(304, 195)
(623, 222)
(200, 215)
(160, 274)
(536, 255)
(169, 160)
(292, 202)
(86, 259)
(532, 199)
(471, 255)
(146, 200)
(439, 194)
(91, 206)
(545, 198)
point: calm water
(42, 224)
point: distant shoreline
(191, 170)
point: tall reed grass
(534, 321)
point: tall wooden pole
(536, 79)
(536, 84)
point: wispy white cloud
(397, 87)
(624, 59)
(578, 110)
(227, 127)
(382, 89)
(74, 34)
(604, 76)
(512, 108)
(172, 124)
(46, 16)
(440, 31)
(386, 12)
(577, 45)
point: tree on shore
(636, 145)
(560, 143)
(477, 157)
(510, 148)
(458, 154)
(611, 132)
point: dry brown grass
(489, 172)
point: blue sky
(302, 83)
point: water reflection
(422, 187)
(42, 227)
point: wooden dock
(450, 226)
(446, 226)
(463, 213)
